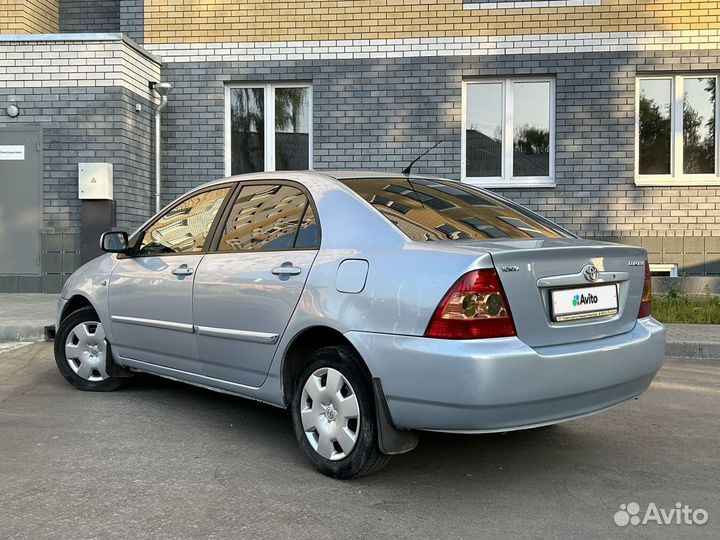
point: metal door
(20, 202)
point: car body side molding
(244, 335)
(154, 323)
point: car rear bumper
(503, 384)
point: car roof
(339, 174)
(328, 174)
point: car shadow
(514, 454)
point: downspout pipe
(163, 90)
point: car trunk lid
(530, 270)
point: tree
(655, 135)
(289, 104)
(699, 148)
(531, 147)
(248, 128)
(532, 141)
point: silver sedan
(372, 305)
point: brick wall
(132, 19)
(29, 17)
(85, 16)
(89, 116)
(380, 113)
(171, 21)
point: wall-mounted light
(12, 111)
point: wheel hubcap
(330, 414)
(85, 350)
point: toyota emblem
(590, 272)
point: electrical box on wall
(95, 181)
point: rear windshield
(441, 210)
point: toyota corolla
(371, 305)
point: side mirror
(114, 242)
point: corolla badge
(590, 272)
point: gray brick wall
(132, 19)
(380, 113)
(85, 16)
(78, 125)
(135, 164)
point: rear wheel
(333, 414)
(82, 352)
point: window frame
(507, 180)
(269, 121)
(677, 80)
(219, 225)
(140, 234)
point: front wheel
(82, 353)
(333, 412)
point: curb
(693, 350)
(23, 332)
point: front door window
(184, 228)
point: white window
(508, 132)
(268, 127)
(675, 130)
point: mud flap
(113, 369)
(392, 441)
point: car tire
(82, 352)
(333, 414)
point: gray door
(19, 202)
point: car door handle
(286, 270)
(182, 270)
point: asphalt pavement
(159, 459)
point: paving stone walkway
(23, 317)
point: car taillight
(646, 301)
(474, 307)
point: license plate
(584, 302)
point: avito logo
(584, 299)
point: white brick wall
(47, 64)
(458, 46)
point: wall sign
(12, 152)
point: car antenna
(408, 169)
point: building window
(675, 130)
(508, 132)
(268, 127)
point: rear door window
(270, 218)
(443, 210)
